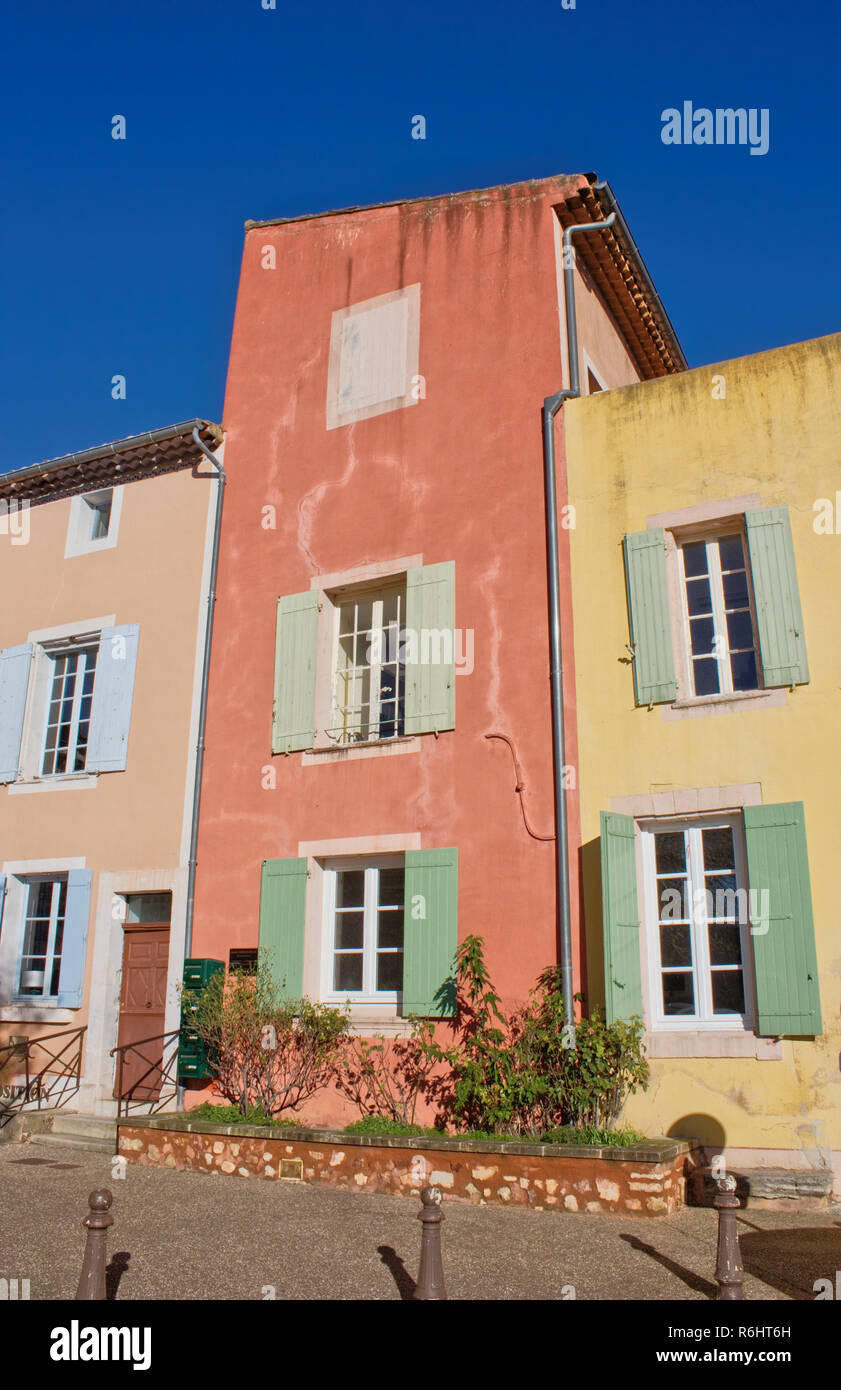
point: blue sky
(123, 256)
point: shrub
(581, 1086)
(516, 1077)
(270, 1053)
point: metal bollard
(99, 1218)
(430, 1284)
(729, 1270)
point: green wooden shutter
(620, 918)
(782, 644)
(787, 993)
(650, 622)
(430, 648)
(293, 722)
(430, 934)
(283, 902)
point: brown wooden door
(142, 1010)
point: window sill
(36, 1013)
(74, 781)
(700, 1043)
(349, 752)
(696, 706)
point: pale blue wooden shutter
(649, 619)
(783, 937)
(283, 906)
(620, 918)
(430, 648)
(293, 717)
(113, 690)
(2, 897)
(782, 644)
(74, 943)
(430, 932)
(14, 683)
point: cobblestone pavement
(194, 1236)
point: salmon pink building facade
(379, 766)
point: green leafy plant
(232, 1115)
(270, 1053)
(584, 1086)
(383, 1124)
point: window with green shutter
(430, 932)
(283, 903)
(785, 956)
(782, 643)
(430, 648)
(620, 918)
(655, 682)
(293, 720)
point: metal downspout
(208, 636)
(551, 406)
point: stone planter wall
(646, 1180)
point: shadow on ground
(791, 1260)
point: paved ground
(194, 1236)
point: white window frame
(376, 594)
(29, 883)
(710, 538)
(369, 993)
(51, 652)
(79, 538)
(703, 1020)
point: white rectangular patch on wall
(373, 357)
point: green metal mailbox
(193, 1062)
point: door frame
(107, 964)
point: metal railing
(158, 1079)
(48, 1087)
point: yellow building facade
(706, 559)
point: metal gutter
(551, 406)
(208, 637)
(120, 446)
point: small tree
(269, 1053)
(388, 1076)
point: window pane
(148, 907)
(728, 992)
(391, 887)
(735, 590)
(390, 970)
(363, 621)
(349, 931)
(705, 671)
(718, 847)
(695, 558)
(350, 888)
(721, 896)
(739, 629)
(698, 597)
(672, 899)
(725, 945)
(731, 553)
(390, 927)
(678, 993)
(670, 852)
(347, 973)
(743, 667)
(675, 945)
(701, 633)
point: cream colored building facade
(104, 570)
